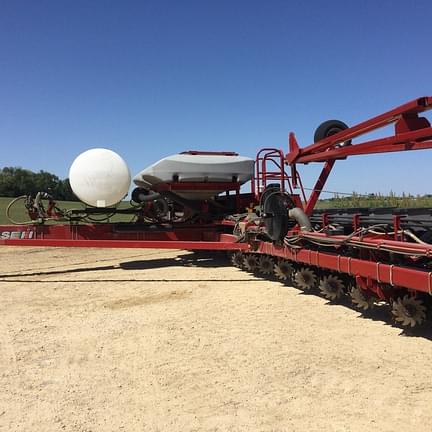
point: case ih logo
(16, 235)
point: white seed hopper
(197, 168)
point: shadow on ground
(380, 312)
(192, 259)
(211, 259)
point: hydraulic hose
(11, 219)
(142, 197)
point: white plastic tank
(100, 177)
(197, 168)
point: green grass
(19, 213)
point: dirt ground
(153, 340)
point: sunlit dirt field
(152, 340)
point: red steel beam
(413, 107)
(400, 142)
(411, 133)
(180, 186)
(106, 236)
(319, 186)
(385, 273)
(148, 244)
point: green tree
(16, 181)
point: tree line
(16, 181)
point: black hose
(142, 197)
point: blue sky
(152, 78)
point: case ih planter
(370, 255)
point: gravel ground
(130, 340)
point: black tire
(329, 128)
(275, 206)
(270, 189)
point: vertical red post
(318, 187)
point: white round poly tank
(99, 177)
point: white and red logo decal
(16, 235)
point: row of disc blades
(406, 310)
